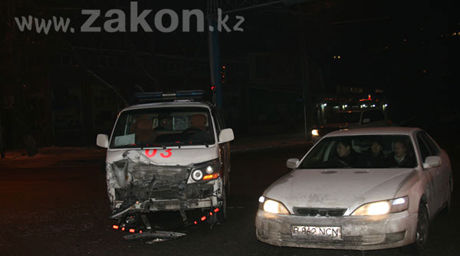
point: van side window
(220, 124)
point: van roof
(176, 103)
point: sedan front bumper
(357, 232)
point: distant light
(315, 132)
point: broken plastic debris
(157, 240)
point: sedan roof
(375, 131)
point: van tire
(222, 213)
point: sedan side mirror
(102, 140)
(292, 163)
(432, 161)
(226, 135)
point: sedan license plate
(317, 232)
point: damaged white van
(168, 156)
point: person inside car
(197, 132)
(400, 157)
(143, 129)
(346, 153)
(377, 159)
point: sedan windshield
(379, 151)
(162, 127)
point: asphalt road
(63, 210)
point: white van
(168, 156)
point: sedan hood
(338, 188)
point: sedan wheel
(421, 236)
(448, 208)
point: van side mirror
(102, 140)
(432, 161)
(226, 135)
(292, 163)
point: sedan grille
(321, 212)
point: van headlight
(383, 207)
(206, 171)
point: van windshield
(162, 127)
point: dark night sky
(400, 46)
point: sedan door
(435, 173)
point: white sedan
(360, 189)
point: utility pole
(230, 6)
(219, 7)
(214, 51)
(305, 81)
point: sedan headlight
(273, 206)
(383, 207)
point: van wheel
(222, 213)
(220, 216)
(421, 235)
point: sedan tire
(421, 235)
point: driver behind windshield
(346, 153)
